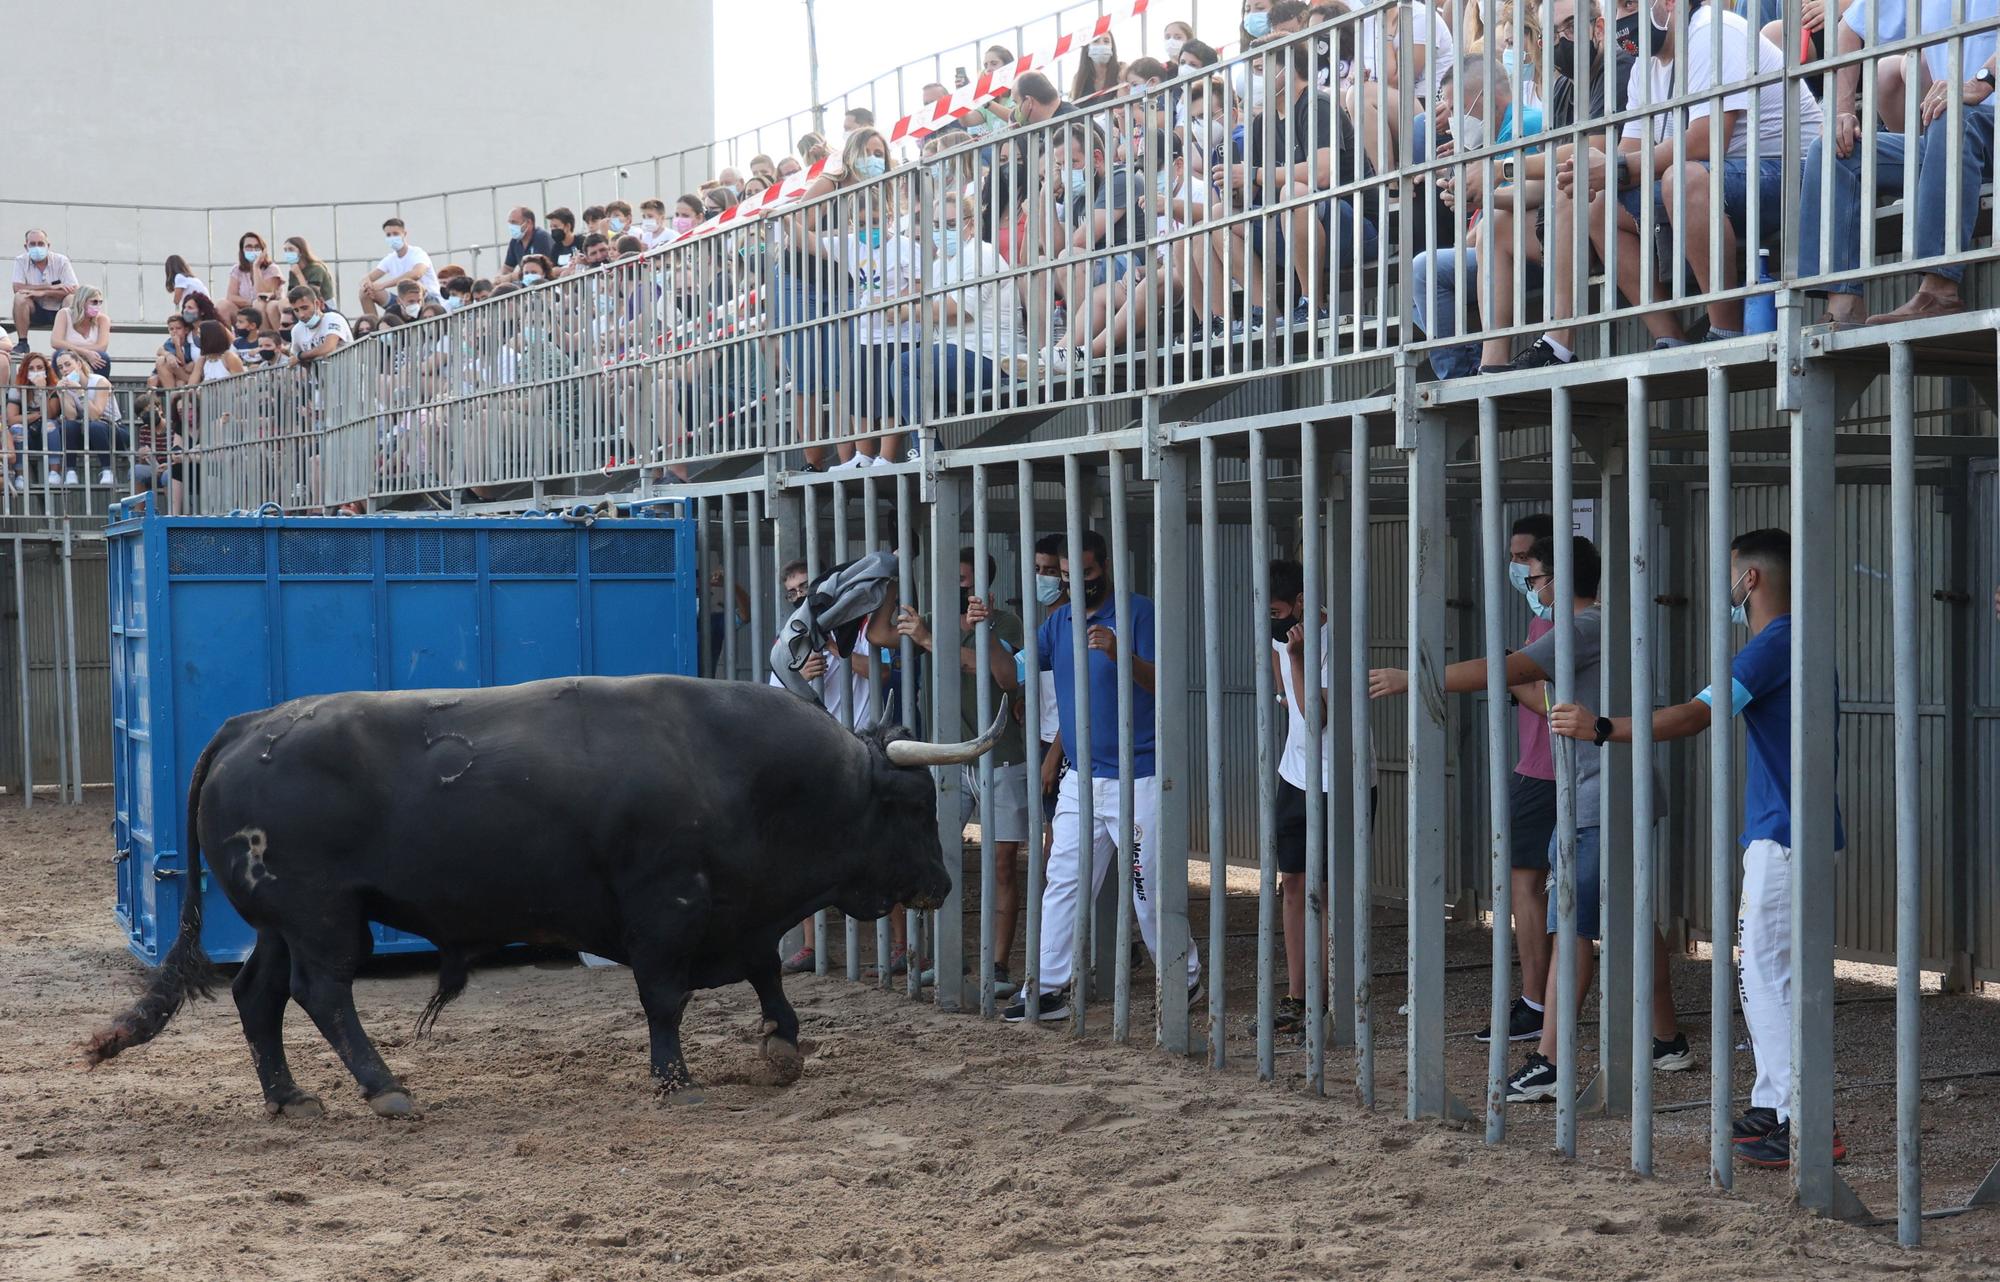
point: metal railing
(70, 451)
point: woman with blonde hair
(83, 328)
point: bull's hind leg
(323, 983)
(261, 989)
(781, 1022)
(664, 990)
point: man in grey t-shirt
(1536, 1078)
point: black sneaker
(1773, 1150)
(1755, 1124)
(1524, 1023)
(1538, 355)
(1535, 1080)
(1672, 1056)
(1290, 1017)
(1055, 1006)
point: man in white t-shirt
(404, 261)
(976, 331)
(1970, 146)
(318, 332)
(1645, 163)
(1377, 89)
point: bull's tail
(454, 969)
(186, 973)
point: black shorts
(1289, 830)
(1531, 822)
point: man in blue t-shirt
(1760, 596)
(1062, 900)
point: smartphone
(959, 79)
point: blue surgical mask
(396, 243)
(38, 253)
(1739, 611)
(1079, 182)
(1257, 25)
(531, 278)
(1517, 574)
(1541, 611)
(251, 256)
(872, 237)
(1048, 589)
(288, 256)
(871, 166)
(453, 302)
(1164, 184)
(513, 231)
(616, 224)
(946, 239)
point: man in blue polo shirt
(1760, 597)
(1061, 898)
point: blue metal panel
(212, 616)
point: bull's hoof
(677, 1096)
(786, 1060)
(393, 1103)
(299, 1108)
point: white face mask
(1739, 611)
(1174, 45)
(1099, 54)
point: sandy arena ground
(918, 1145)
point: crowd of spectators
(1162, 201)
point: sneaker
(1538, 355)
(1252, 327)
(1668, 344)
(53, 476)
(1755, 1124)
(899, 961)
(1304, 314)
(1291, 1016)
(1055, 1006)
(1672, 1056)
(1524, 1023)
(104, 478)
(69, 477)
(1535, 1080)
(799, 962)
(1773, 1150)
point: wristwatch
(1507, 169)
(1603, 729)
(1984, 76)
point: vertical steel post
(1909, 849)
(1031, 703)
(1721, 788)
(944, 669)
(948, 952)
(75, 713)
(914, 921)
(1427, 716)
(1267, 784)
(809, 528)
(1311, 686)
(1499, 714)
(1082, 769)
(879, 693)
(1126, 834)
(753, 517)
(1562, 483)
(787, 544)
(1639, 597)
(1360, 782)
(1218, 864)
(1814, 784)
(1611, 1092)
(843, 552)
(1338, 554)
(21, 662)
(1170, 744)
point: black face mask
(1628, 34)
(1656, 35)
(1281, 629)
(1095, 590)
(1566, 64)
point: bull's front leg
(664, 991)
(781, 1022)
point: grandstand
(1205, 311)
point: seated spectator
(84, 329)
(457, 293)
(534, 269)
(562, 237)
(1038, 99)
(482, 289)
(318, 332)
(976, 331)
(1195, 56)
(1174, 38)
(196, 308)
(34, 417)
(89, 418)
(933, 94)
(409, 300)
(43, 282)
(1374, 101)
(593, 219)
(246, 330)
(1175, 269)
(524, 238)
(1646, 162)
(158, 456)
(764, 167)
(1098, 208)
(303, 267)
(628, 246)
(405, 263)
(1142, 74)
(363, 326)
(1099, 71)
(653, 228)
(175, 365)
(1942, 156)
(729, 178)
(218, 359)
(857, 118)
(254, 282)
(754, 186)
(617, 218)
(687, 216)
(789, 167)
(181, 280)
(813, 147)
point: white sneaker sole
(1679, 1062)
(1531, 1094)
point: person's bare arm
(1683, 720)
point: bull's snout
(932, 890)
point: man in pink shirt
(1531, 806)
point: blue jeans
(1843, 250)
(1434, 299)
(1589, 880)
(1735, 197)
(961, 380)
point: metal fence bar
(1082, 776)
(1311, 692)
(1639, 599)
(1721, 783)
(914, 921)
(1218, 866)
(1903, 569)
(1425, 1089)
(947, 505)
(1127, 835)
(982, 644)
(1031, 702)
(1267, 787)
(1361, 852)
(1562, 484)
(1172, 682)
(1499, 713)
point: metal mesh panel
(323, 552)
(215, 552)
(633, 552)
(532, 552)
(430, 552)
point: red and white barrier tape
(923, 122)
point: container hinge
(124, 853)
(168, 874)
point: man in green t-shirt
(1007, 826)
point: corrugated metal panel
(1985, 845)
(48, 667)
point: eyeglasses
(795, 594)
(1566, 29)
(1536, 580)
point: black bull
(678, 825)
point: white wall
(354, 101)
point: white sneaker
(69, 477)
(104, 478)
(53, 477)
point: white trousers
(1061, 900)
(1764, 981)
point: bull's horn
(915, 752)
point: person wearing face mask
(1375, 99)
(1668, 159)
(1160, 280)
(1535, 1080)
(43, 283)
(975, 331)
(653, 227)
(403, 263)
(1760, 598)
(34, 412)
(617, 219)
(1050, 592)
(181, 280)
(1063, 897)
(1099, 71)
(562, 237)
(318, 332)
(523, 239)
(1174, 38)
(245, 330)
(174, 366)
(254, 282)
(303, 267)
(90, 419)
(84, 329)
(534, 269)
(1100, 206)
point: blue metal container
(212, 616)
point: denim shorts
(1109, 268)
(1735, 197)
(1588, 882)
